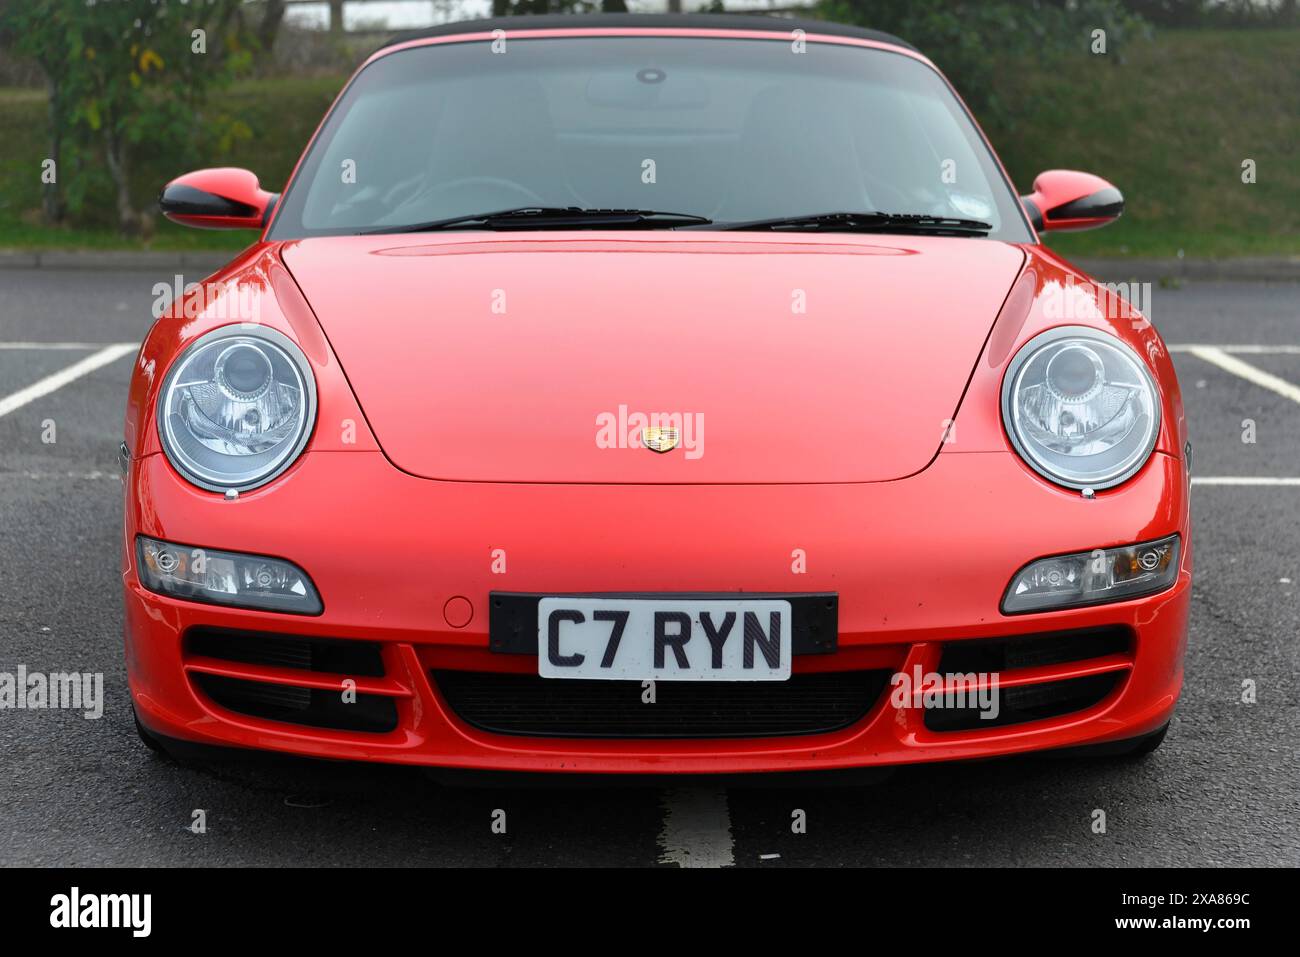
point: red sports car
(653, 394)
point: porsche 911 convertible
(653, 395)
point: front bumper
(918, 564)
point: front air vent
(314, 707)
(1032, 651)
(1050, 699)
(332, 655)
(526, 704)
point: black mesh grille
(314, 707)
(333, 655)
(1050, 699)
(577, 708)
(1029, 651)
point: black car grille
(1051, 699)
(334, 656)
(273, 695)
(315, 707)
(523, 704)
(1047, 698)
(1031, 651)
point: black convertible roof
(700, 21)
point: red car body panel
(438, 443)
(695, 328)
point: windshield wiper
(553, 217)
(868, 222)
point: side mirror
(1068, 199)
(225, 198)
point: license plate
(664, 639)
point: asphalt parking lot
(1221, 791)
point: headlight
(236, 408)
(1080, 407)
(1093, 578)
(225, 578)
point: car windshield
(733, 130)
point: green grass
(1169, 122)
(281, 113)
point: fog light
(1093, 578)
(225, 578)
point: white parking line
(696, 830)
(1216, 356)
(1243, 349)
(61, 378)
(54, 476)
(58, 345)
(1257, 480)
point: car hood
(539, 358)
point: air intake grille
(359, 659)
(1051, 699)
(576, 708)
(314, 707)
(1030, 651)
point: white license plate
(664, 639)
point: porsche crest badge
(660, 440)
